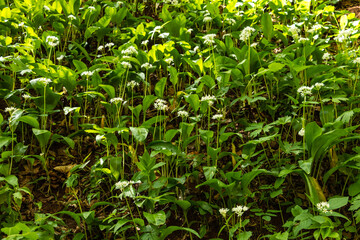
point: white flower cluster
(317, 86)
(209, 99)
(315, 28)
(145, 42)
(209, 39)
(87, 73)
(52, 41)
(132, 84)
(44, 81)
(164, 35)
(356, 60)
(183, 113)
(223, 211)
(302, 132)
(303, 40)
(91, 8)
(239, 210)
(173, 2)
(26, 96)
(147, 66)
(71, 17)
(305, 90)
(207, 19)
(126, 65)
(160, 105)
(327, 56)
(217, 117)
(109, 45)
(10, 109)
(116, 100)
(169, 60)
(246, 33)
(129, 51)
(344, 34)
(22, 72)
(323, 207)
(294, 31)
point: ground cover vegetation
(172, 119)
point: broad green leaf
(156, 219)
(75, 216)
(167, 231)
(29, 120)
(160, 87)
(267, 25)
(43, 136)
(116, 166)
(338, 202)
(194, 101)
(139, 133)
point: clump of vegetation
(191, 119)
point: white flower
(10, 109)
(101, 47)
(183, 113)
(44, 81)
(25, 71)
(217, 117)
(253, 45)
(121, 185)
(209, 99)
(91, 8)
(87, 73)
(231, 21)
(126, 65)
(116, 100)
(71, 17)
(315, 28)
(209, 39)
(168, 60)
(246, 33)
(129, 51)
(2, 59)
(46, 8)
(223, 211)
(52, 41)
(303, 40)
(61, 57)
(294, 31)
(132, 84)
(160, 105)
(145, 42)
(239, 210)
(207, 19)
(109, 45)
(164, 35)
(323, 207)
(304, 90)
(326, 56)
(356, 60)
(26, 96)
(147, 66)
(317, 86)
(189, 31)
(344, 34)
(21, 24)
(302, 132)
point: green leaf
(160, 87)
(75, 216)
(209, 172)
(156, 219)
(139, 133)
(12, 180)
(110, 90)
(267, 25)
(173, 76)
(194, 101)
(275, 66)
(115, 166)
(171, 229)
(43, 136)
(29, 120)
(148, 100)
(338, 202)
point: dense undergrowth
(179, 120)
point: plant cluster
(193, 119)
